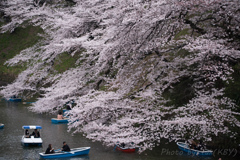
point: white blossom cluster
(131, 50)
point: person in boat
(60, 116)
(35, 133)
(49, 150)
(27, 133)
(123, 145)
(192, 144)
(200, 146)
(65, 147)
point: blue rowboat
(62, 154)
(29, 140)
(15, 99)
(55, 120)
(1, 125)
(184, 147)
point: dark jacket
(36, 135)
(26, 133)
(66, 148)
(48, 151)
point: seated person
(200, 146)
(192, 144)
(123, 145)
(65, 147)
(60, 116)
(27, 133)
(49, 149)
(35, 133)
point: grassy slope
(65, 61)
(12, 44)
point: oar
(57, 150)
(68, 152)
(60, 150)
(114, 147)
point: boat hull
(130, 150)
(31, 141)
(55, 120)
(72, 153)
(31, 144)
(184, 147)
(1, 126)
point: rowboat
(1, 125)
(14, 99)
(55, 120)
(184, 147)
(28, 139)
(126, 149)
(62, 154)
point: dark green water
(15, 115)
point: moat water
(15, 115)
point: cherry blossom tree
(133, 52)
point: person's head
(35, 130)
(64, 143)
(50, 145)
(59, 112)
